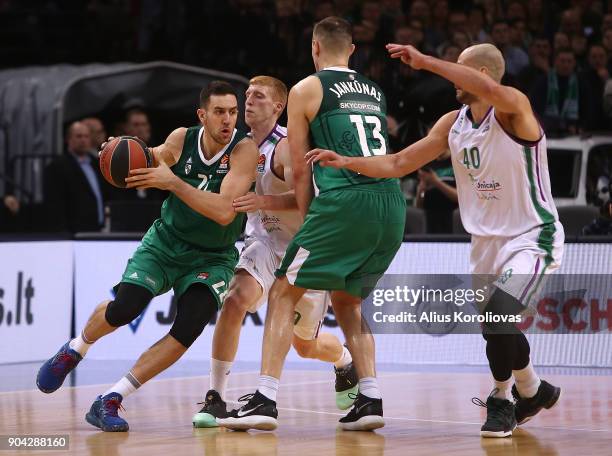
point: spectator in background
(450, 53)
(607, 44)
(561, 41)
(516, 59)
(437, 195)
(97, 132)
(518, 33)
(516, 11)
(74, 189)
(137, 124)
(594, 79)
(539, 64)
(457, 22)
(556, 96)
(435, 33)
(9, 213)
(476, 25)
(602, 225)
(419, 10)
(571, 23)
(579, 47)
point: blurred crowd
(557, 52)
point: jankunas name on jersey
(342, 88)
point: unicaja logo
(484, 186)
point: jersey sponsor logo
(203, 275)
(150, 280)
(342, 88)
(359, 106)
(188, 166)
(134, 275)
(261, 163)
(486, 190)
(223, 165)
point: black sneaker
(259, 413)
(214, 407)
(526, 408)
(366, 415)
(500, 416)
(347, 386)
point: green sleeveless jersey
(206, 175)
(351, 121)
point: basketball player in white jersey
(499, 157)
(273, 220)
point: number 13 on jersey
(358, 121)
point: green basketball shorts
(348, 239)
(163, 261)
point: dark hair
(216, 88)
(130, 112)
(335, 33)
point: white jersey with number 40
(502, 182)
(275, 228)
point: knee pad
(195, 308)
(130, 300)
(502, 303)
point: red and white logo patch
(203, 275)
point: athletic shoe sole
(96, 422)
(365, 423)
(497, 434)
(343, 401)
(258, 422)
(44, 390)
(550, 404)
(204, 420)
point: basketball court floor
(427, 411)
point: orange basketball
(121, 155)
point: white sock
(527, 381)
(219, 375)
(268, 386)
(344, 360)
(504, 389)
(80, 344)
(126, 386)
(368, 386)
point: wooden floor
(426, 414)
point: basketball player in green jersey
(190, 248)
(352, 228)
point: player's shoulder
(244, 144)
(306, 86)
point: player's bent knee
(195, 309)
(236, 303)
(129, 302)
(305, 348)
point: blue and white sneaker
(103, 413)
(53, 372)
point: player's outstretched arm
(506, 100)
(301, 96)
(237, 182)
(282, 202)
(404, 162)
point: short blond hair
(278, 87)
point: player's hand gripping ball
(121, 155)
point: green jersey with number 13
(352, 122)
